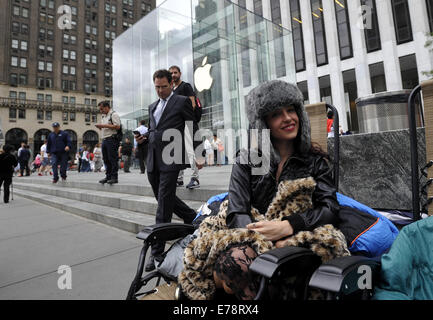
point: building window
(94, 117)
(15, 27)
(72, 70)
(87, 117)
(23, 45)
(48, 115)
(12, 113)
(65, 69)
(402, 24)
(41, 65)
(41, 83)
(430, 13)
(15, 44)
(21, 113)
(48, 98)
(14, 61)
(25, 13)
(319, 32)
(14, 79)
(409, 71)
(65, 116)
(65, 85)
(23, 79)
(72, 116)
(280, 62)
(16, 11)
(325, 89)
(12, 94)
(298, 42)
(23, 63)
(343, 29)
(24, 28)
(378, 80)
(49, 66)
(40, 97)
(371, 32)
(49, 83)
(22, 96)
(40, 115)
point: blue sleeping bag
(374, 238)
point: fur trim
(214, 237)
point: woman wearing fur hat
(295, 200)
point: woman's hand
(272, 230)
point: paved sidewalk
(210, 177)
(36, 239)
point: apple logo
(202, 77)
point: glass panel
(222, 50)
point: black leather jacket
(248, 190)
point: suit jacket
(177, 111)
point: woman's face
(283, 123)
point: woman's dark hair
(330, 114)
(160, 74)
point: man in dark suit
(167, 113)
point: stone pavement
(36, 239)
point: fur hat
(270, 96)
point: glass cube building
(222, 49)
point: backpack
(119, 134)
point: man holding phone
(140, 144)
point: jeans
(110, 154)
(62, 159)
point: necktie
(158, 112)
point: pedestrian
(80, 154)
(169, 112)
(45, 165)
(140, 145)
(110, 142)
(36, 164)
(185, 89)
(58, 146)
(209, 152)
(125, 152)
(23, 159)
(7, 164)
(98, 157)
(85, 160)
(218, 147)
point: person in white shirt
(45, 166)
(140, 147)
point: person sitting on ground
(258, 205)
(7, 164)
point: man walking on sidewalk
(110, 142)
(7, 164)
(169, 112)
(58, 146)
(185, 89)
